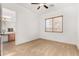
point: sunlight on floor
(11, 54)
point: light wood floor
(40, 47)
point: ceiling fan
(40, 5)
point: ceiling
(43, 10)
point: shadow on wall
(0, 28)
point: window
(54, 24)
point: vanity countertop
(3, 34)
(6, 33)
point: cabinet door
(11, 37)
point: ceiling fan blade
(38, 7)
(35, 3)
(46, 6)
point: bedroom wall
(69, 34)
(26, 23)
(78, 25)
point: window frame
(53, 18)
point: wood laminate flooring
(40, 47)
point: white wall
(69, 34)
(26, 23)
(77, 25)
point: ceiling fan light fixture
(41, 4)
(45, 5)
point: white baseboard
(73, 43)
(21, 42)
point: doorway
(8, 29)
